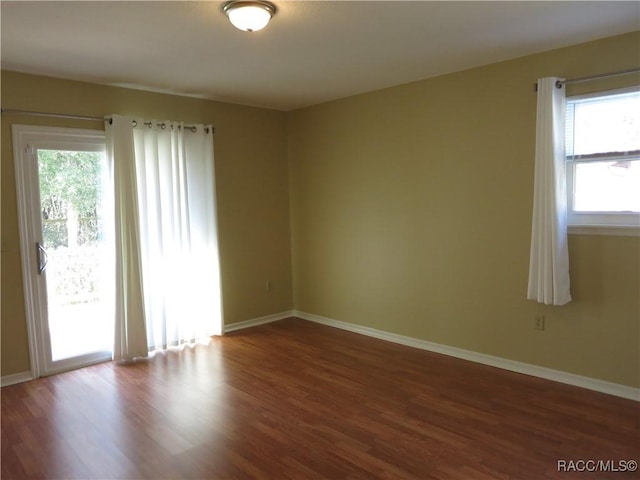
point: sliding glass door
(66, 237)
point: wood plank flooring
(296, 400)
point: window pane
(607, 186)
(75, 234)
(605, 124)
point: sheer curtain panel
(549, 256)
(169, 179)
(130, 330)
(176, 188)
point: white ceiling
(312, 52)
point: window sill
(610, 230)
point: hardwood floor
(298, 400)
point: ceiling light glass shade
(249, 16)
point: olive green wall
(411, 213)
(406, 210)
(252, 190)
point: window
(603, 159)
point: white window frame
(27, 139)
(599, 223)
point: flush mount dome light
(249, 16)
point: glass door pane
(76, 252)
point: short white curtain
(170, 185)
(549, 256)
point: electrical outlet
(538, 321)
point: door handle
(43, 258)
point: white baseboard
(254, 322)
(15, 378)
(503, 363)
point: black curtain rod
(83, 117)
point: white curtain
(174, 181)
(179, 235)
(549, 257)
(130, 330)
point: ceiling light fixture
(249, 16)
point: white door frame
(26, 140)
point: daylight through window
(603, 159)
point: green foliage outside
(69, 193)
